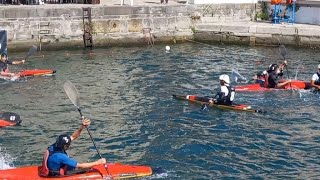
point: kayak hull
(36, 72)
(9, 119)
(202, 100)
(115, 171)
(295, 85)
(29, 73)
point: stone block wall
(112, 25)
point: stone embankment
(61, 26)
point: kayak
(9, 119)
(295, 85)
(204, 101)
(36, 72)
(114, 170)
(29, 73)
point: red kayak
(295, 85)
(115, 171)
(36, 72)
(9, 119)
(204, 101)
(29, 73)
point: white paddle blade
(237, 76)
(72, 93)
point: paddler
(261, 77)
(226, 94)
(315, 80)
(274, 74)
(4, 62)
(58, 158)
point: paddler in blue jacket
(226, 94)
(59, 159)
(315, 80)
(4, 68)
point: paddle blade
(9, 119)
(32, 50)
(237, 76)
(283, 51)
(72, 93)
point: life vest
(266, 81)
(317, 82)
(44, 170)
(226, 100)
(231, 90)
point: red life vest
(44, 170)
(266, 80)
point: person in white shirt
(315, 80)
(227, 92)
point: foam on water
(6, 161)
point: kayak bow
(199, 100)
(9, 119)
(116, 171)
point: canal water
(127, 93)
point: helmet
(273, 67)
(63, 140)
(225, 78)
(4, 55)
(319, 66)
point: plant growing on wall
(263, 13)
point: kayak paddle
(283, 52)
(32, 50)
(9, 119)
(74, 96)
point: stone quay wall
(61, 26)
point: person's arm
(91, 164)
(283, 65)
(313, 80)
(76, 134)
(72, 164)
(6, 73)
(18, 61)
(281, 85)
(314, 85)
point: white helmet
(319, 66)
(225, 78)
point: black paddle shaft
(94, 144)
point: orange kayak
(29, 73)
(295, 84)
(116, 170)
(9, 119)
(36, 72)
(201, 100)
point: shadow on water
(127, 94)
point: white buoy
(167, 48)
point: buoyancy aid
(44, 170)
(226, 100)
(317, 82)
(266, 82)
